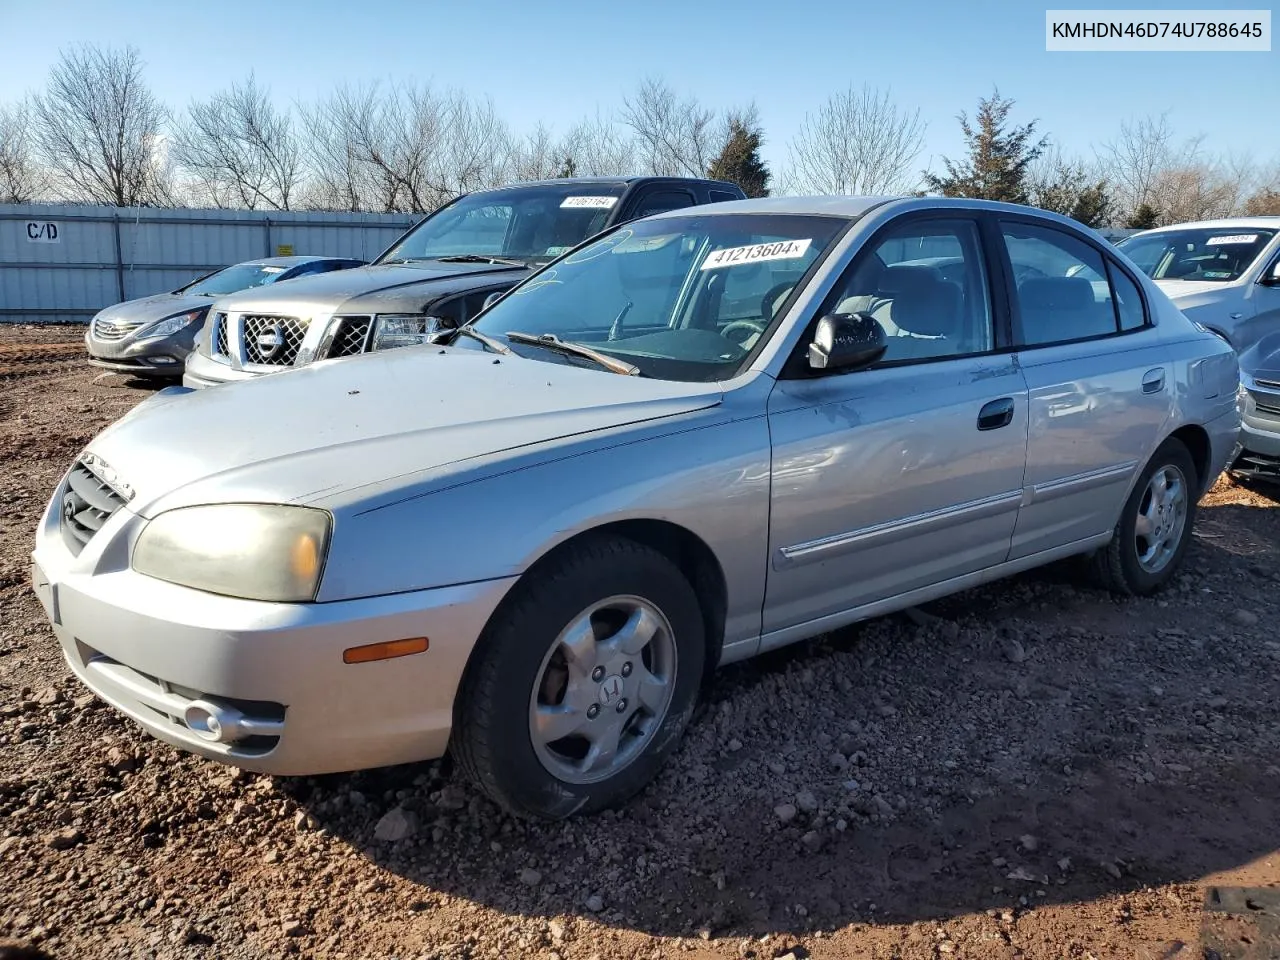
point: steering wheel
(752, 328)
(768, 303)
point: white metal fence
(61, 264)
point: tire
(556, 653)
(1120, 566)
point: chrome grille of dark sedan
(106, 329)
(1268, 402)
(87, 503)
(220, 335)
(272, 340)
(351, 336)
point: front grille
(87, 503)
(1268, 384)
(274, 341)
(108, 330)
(220, 335)
(1268, 402)
(351, 336)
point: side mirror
(846, 341)
(1272, 277)
(491, 299)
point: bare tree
(597, 147)
(674, 137)
(21, 178)
(858, 142)
(403, 149)
(1135, 160)
(241, 148)
(1071, 187)
(98, 129)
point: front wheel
(1155, 526)
(583, 683)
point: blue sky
(557, 62)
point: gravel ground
(1032, 769)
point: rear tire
(582, 683)
(1154, 531)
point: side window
(660, 201)
(1062, 290)
(925, 283)
(1128, 299)
(723, 196)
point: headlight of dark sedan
(171, 325)
(405, 330)
(257, 551)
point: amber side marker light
(387, 650)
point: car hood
(156, 307)
(315, 433)
(1262, 360)
(1190, 290)
(326, 292)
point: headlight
(171, 325)
(405, 330)
(250, 550)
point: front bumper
(151, 648)
(202, 371)
(1259, 433)
(154, 357)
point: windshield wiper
(398, 262)
(552, 342)
(477, 258)
(484, 338)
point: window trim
(1109, 263)
(656, 188)
(797, 367)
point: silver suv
(437, 276)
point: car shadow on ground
(1134, 744)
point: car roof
(610, 181)
(287, 261)
(1226, 223)
(854, 207)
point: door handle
(996, 414)
(1153, 380)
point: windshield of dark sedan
(526, 223)
(682, 298)
(1220, 255)
(233, 279)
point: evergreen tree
(1068, 189)
(996, 167)
(739, 162)
(568, 168)
(1144, 217)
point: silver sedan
(692, 439)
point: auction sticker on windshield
(591, 203)
(757, 253)
(1234, 238)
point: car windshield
(1219, 255)
(240, 277)
(681, 298)
(532, 224)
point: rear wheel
(583, 682)
(1155, 525)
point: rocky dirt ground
(1033, 769)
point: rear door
(1099, 382)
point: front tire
(582, 682)
(1155, 526)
